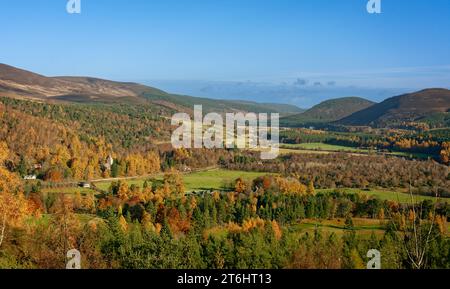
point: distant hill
(19, 83)
(22, 83)
(416, 106)
(328, 111)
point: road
(76, 183)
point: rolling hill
(24, 84)
(19, 83)
(415, 106)
(328, 111)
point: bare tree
(417, 234)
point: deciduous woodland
(282, 219)
(103, 179)
(279, 135)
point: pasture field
(287, 151)
(105, 185)
(397, 196)
(328, 148)
(218, 179)
(206, 180)
(324, 147)
(284, 150)
(69, 190)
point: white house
(85, 185)
(109, 162)
(30, 177)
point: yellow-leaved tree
(13, 205)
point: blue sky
(250, 49)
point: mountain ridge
(402, 108)
(328, 111)
(20, 83)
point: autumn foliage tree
(174, 180)
(13, 205)
(445, 153)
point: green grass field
(207, 180)
(324, 147)
(215, 179)
(104, 185)
(218, 179)
(69, 190)
(286, 151)
(327, 148)
(397, 196)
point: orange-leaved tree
(13, 206)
